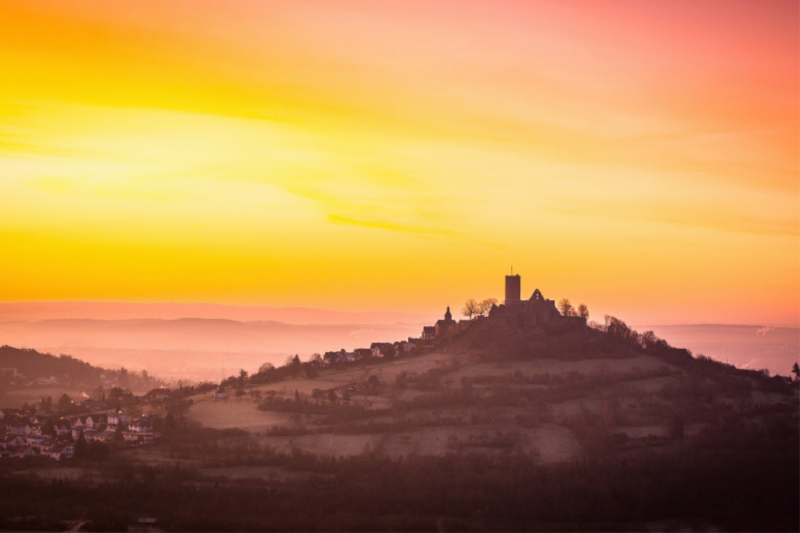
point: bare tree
(565, 307)
(485, 306)
(583, 311)
(470, 308)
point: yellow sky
(402, 155)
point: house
(118, 418)
(61, 451)
(382, 349)
(90, 435)
(428, 333)
(332, 358)
(21, 452)
(131, 437)
(19, 428)
(362, 353)
(140, 425)
(15, 441)
(62, 427)
(35, 442)
(76, 432)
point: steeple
(447, 315)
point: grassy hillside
(556, 396)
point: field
(16, 397)
(234, 413)
(419, 406)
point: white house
(61, 451)
(118, 418)
(140, 425)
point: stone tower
(513, 289)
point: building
(446, 326)
(537, 311)
(513, 290)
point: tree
(583, 311)
(316, 360)
(123, 377)
(332, 396)
(242, 377)
(118, 439)
(648, 339)
(99, 393)
(49, 429)
(266, 367)
(80, 446)
(485, 306)
(565, 307)
(46, 404)
(169, 422)
(64, 402)
(796, 372)
(470, 308)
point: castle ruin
(537, 311)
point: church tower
(447, 315)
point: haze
(639, 157)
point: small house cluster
(376, 349)
(37, 433)
(431, 335)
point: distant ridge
(36, 311)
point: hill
(547, 393)
(192, 348)
(33, 365)
(493, 429)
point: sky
(640, 157)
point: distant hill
(748, 347)
(193, 348)
(33, 364)
(35, 311)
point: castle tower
(513, 289)
(448, 316)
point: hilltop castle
(515, 314)
(536, 311)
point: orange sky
(641, 157)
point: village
(36, 433)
